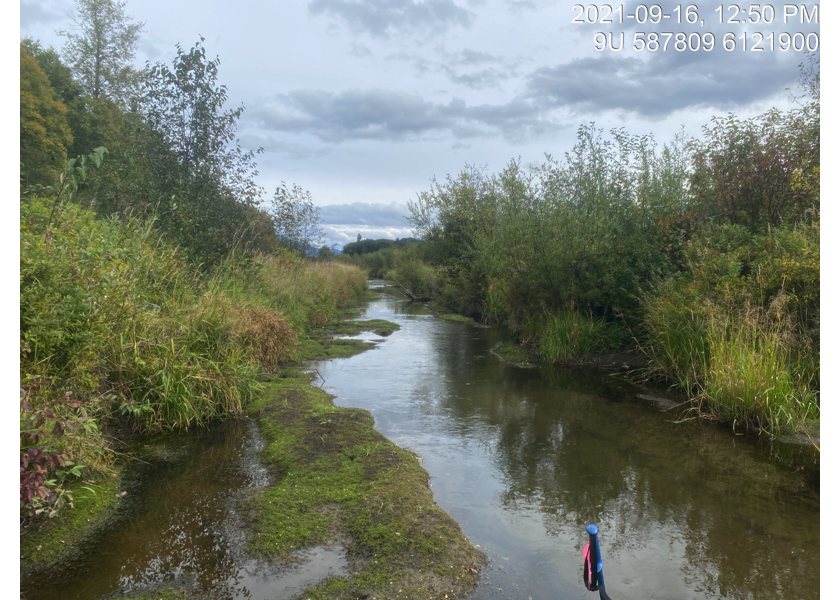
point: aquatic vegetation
(336, 477)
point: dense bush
(702, 253)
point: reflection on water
(524, 459)
(180, 529)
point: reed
(568, 335)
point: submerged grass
(336, 477)
(512, 353)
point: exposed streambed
(523, 459)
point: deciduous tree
(44, 134)
(296, 218)
(102, 50)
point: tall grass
(115, 320)
(306, 293)
(568, 335)
(744, 366)
(677, 341)
(752, 377)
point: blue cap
(592, 529)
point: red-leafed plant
(43, 468)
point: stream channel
(522, 458)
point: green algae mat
(336, 479)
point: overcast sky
(362, 102)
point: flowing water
(522, 458)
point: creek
(522, 458)
(525, 458)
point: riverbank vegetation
(155, 289)
(702, 254)
(120, 333)
(157, 294)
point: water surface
(524, 459)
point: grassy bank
(119, 335)
(337, 479)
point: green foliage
(759, 171)
(296, 219)
(369, 246)
(740, 327)
(44, 133)
(101, 53)
(204, 179)
(569, 336)
(623, 239)
(752, 376)
(112, 315)
(413, 274)
(581, 232)
(70, 93)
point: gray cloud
(288, 150)
(492, 70)
(522, 5)
(380, 17)
(420, 65)
(151, 50)
(473, 57)
(358, 49)
(34, 13)
(376, 114)
(478, 80)
(660, 85)
(364, 213)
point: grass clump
(455, 318)
(338, 478)
(569, 336)
(752, 377)
(380, 327)
(512, 353)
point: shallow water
(524, 459)
(179, 527)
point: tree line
(172, 146)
